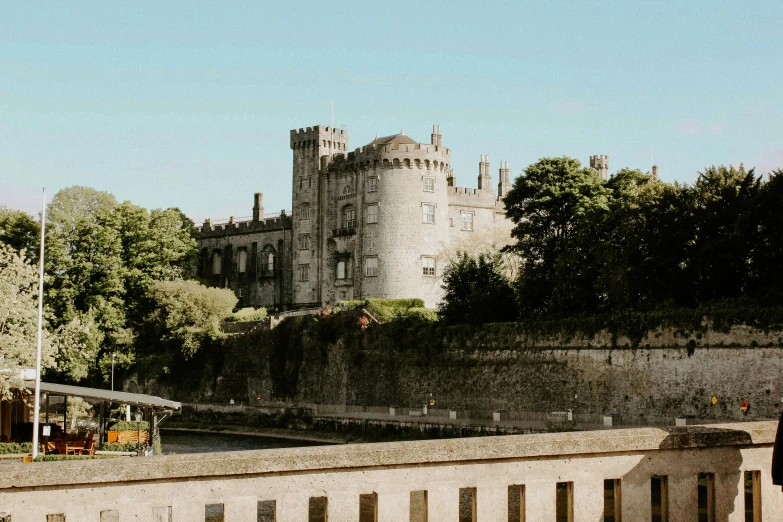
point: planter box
(459, 414)
(614, 419)
(392, 411)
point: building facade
(380, 221)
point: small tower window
(304, 241)
(372, 184)
(270, 262)
(429, 184)
(428, 266)
(304, 211)
(372, 213)
(428, 213)
(371, 266)
(304, 272)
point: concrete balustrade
(464, 479)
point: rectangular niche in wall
(418, 507)
(266, 511)
(318, 509)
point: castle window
(217, 262)
(241, 261)
(343, 270)
(371, 266)
(429, 184)
(304, 211)
(372, 184)
(348, 190)
(372, 213)
(269, 262)
(304, 272)
(304, 241)
(428, 213)
(467, 220)
(451, 222)
(349, 217)
(428, 266)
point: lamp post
(37, 401)
(113, 355)
(138, 434)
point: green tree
(19, 231)
(187, 313)
(476, 291)
(18, 319)
(551, 206)
(104, 259)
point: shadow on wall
(683, 481)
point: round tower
(397, 189)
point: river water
(180, 442)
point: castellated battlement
(319, 136)
(399, 156)
(232, 226)
(470, 197)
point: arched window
(267, 259)
(349, 217)
(270, 262)
(242, 261)
(217, 262)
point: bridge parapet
(645, 470)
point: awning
(156, 403)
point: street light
(113, 355)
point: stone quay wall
(723, 470)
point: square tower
(313, 148)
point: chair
(89, 447)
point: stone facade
(380, 221)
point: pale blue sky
(189, 104)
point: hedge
(8, 448)
(130, 426)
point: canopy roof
(106, 395)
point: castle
(380, 221)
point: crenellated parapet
(319, 136)
(470, 197)
(232, 226)
(420, 156)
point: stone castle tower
(601, 164)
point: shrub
(116, 446)
(8, 448)
(51, 458)
(130, 426)
(423, 314)
(247, 314)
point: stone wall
(647, 384)
(475, 479)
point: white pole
(332, 133)
(37, 409)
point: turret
(655, 171)
(484, 178)
(436, 137)
(258, 206)
(451, 179)
(505, 184)
(601, 164)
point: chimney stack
(484, 178)
(505, 184)
(436, 136)
(258, 206)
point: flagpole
(36, 419)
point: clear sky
(189, 103)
